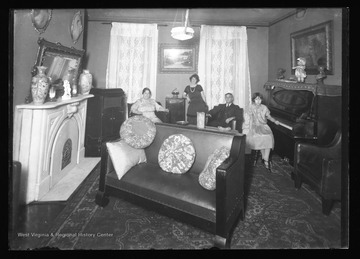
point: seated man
(222, 114)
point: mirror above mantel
(59, 60)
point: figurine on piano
(281, 73)
(321, 76)
(259, 135)
(300, 70)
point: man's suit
(221, 112)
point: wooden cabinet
(105, 114)
(176, 108)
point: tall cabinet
(176, 108)
(106, 112)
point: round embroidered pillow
(138, 131)
(176, 154)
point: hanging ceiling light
(183, 32)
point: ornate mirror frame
(40, 19)
(58, 59)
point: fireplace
(49, 143)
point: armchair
(320, 167)
(236, 124)
(162, 115)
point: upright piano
(306, 112)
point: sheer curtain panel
(224, 65)
(132, 59)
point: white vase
(40, 86)
(200, 120)
(85, 81)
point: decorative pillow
(207, 177)
(124, 157)
(138, 131)
(176, 154)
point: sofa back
(205, 142)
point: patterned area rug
(277, 217)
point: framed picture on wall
(76, 27)
(315, 45)
(175, 58)
(40, 19)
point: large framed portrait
(40, 19)
(175, 58)
(315, 45)
(76, 27)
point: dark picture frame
(175, 58)
(314, 44)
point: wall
(97, 43)
(258, 49)
(97, 48)
(279, 42)
(166, 82)
(25, 46)
(269, 49)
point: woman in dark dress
(194, 93)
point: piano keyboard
(286, 126)
(283, 123)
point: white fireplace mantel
(35, 131)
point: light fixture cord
(174, 23)
(186, 19)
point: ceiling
(197, 16)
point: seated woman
(260, 136)
(146, 106)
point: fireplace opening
(65, 150)
(66, 154)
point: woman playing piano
(260, 136)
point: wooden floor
(35, 218)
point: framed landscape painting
(315, 45)
(174, 58)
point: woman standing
(260, 136)
(147, 106)
(194, 93)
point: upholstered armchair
(162, 115)
(235, 124)
(320, 167)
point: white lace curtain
(224, 65)
(132, 59)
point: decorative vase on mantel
(40, 85)
(85, 82)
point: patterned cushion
(207, 177)
(124, 157)
(138, 131)
(176, 154)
